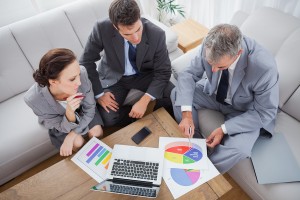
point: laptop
(135, 171)
(273, 161)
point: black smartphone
(141, 135)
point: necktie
(223, 87)
(132, 56)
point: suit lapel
(212, 77)
(141, 49)
(118, 43)
(51, 101)
(239, 72)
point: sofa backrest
(23, 43)
(15, 70)
(280, 34)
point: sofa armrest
(180, 63)
(171, 36)
(238, 18)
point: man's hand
(139, 108)
(107, 100)
(67, 146)
(215, 138)
(186, 123)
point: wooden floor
(234, 194)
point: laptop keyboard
(126, 189)
(135, 169)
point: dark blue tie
(223, 87)
(132, 57)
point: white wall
(212, 12)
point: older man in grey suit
(241, 82)
(135, 56)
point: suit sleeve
(162, 69)
(51, 121)
(88, 105)
(265, 104)
(187, 81)
(90, 55)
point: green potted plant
(166, 7)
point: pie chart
(185, 177)
(180, 152)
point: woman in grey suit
(63, 100)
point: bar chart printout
(94, 158)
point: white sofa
(23, 142)
(279, 33)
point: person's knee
(110, 119)
(96, 131)
(78, 142)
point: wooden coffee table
(65, 180)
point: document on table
(183, 170)
(178, 154)
(94, 158)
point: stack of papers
(185, 167)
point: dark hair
(51, 64)
(124, 12)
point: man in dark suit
(135, 56)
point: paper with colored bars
(94, 158)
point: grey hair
(223, 39)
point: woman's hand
(67, 146)
(72, 104)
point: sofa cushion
(181, 63)
(171, 36)
(44, 32)
(16, 72)
(83, 16)
(288, 61)
(259, 25)
(23, 142)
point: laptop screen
(128, 188)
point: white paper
(178, 154)
(181, 181)
(94, 158)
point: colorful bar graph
(106, 159)
(101, 152)
(101, 158)
(92, 149)
(106, 167)
(93, 155)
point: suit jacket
(52, 115)
(254, 87)
(152, 57)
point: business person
(135, 56)
(241, 82)
(63, 100)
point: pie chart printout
(181, 153)
(185, 177)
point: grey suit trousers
(234, 147)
